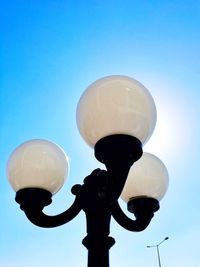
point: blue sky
(50, 52)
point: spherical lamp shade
(116, 105)
(38, 164)
(148, 177)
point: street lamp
(116, 115)
(157, 248)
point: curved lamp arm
(143, 209)
(33, 200)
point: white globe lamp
(147, 178)
(116, 105)
(38, 164)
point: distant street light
(116, 115)
(157, 248)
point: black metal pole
(98, 251)
(97, 240)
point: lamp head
(116, 105)
(147, 178)
(38, 164)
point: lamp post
(116, 115)
(157, 249)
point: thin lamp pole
(157, 249)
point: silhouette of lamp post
(157, 249)
(116, 115)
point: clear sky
(51, 50)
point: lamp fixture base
(33, 198)
(143, 205)
(118, 147)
